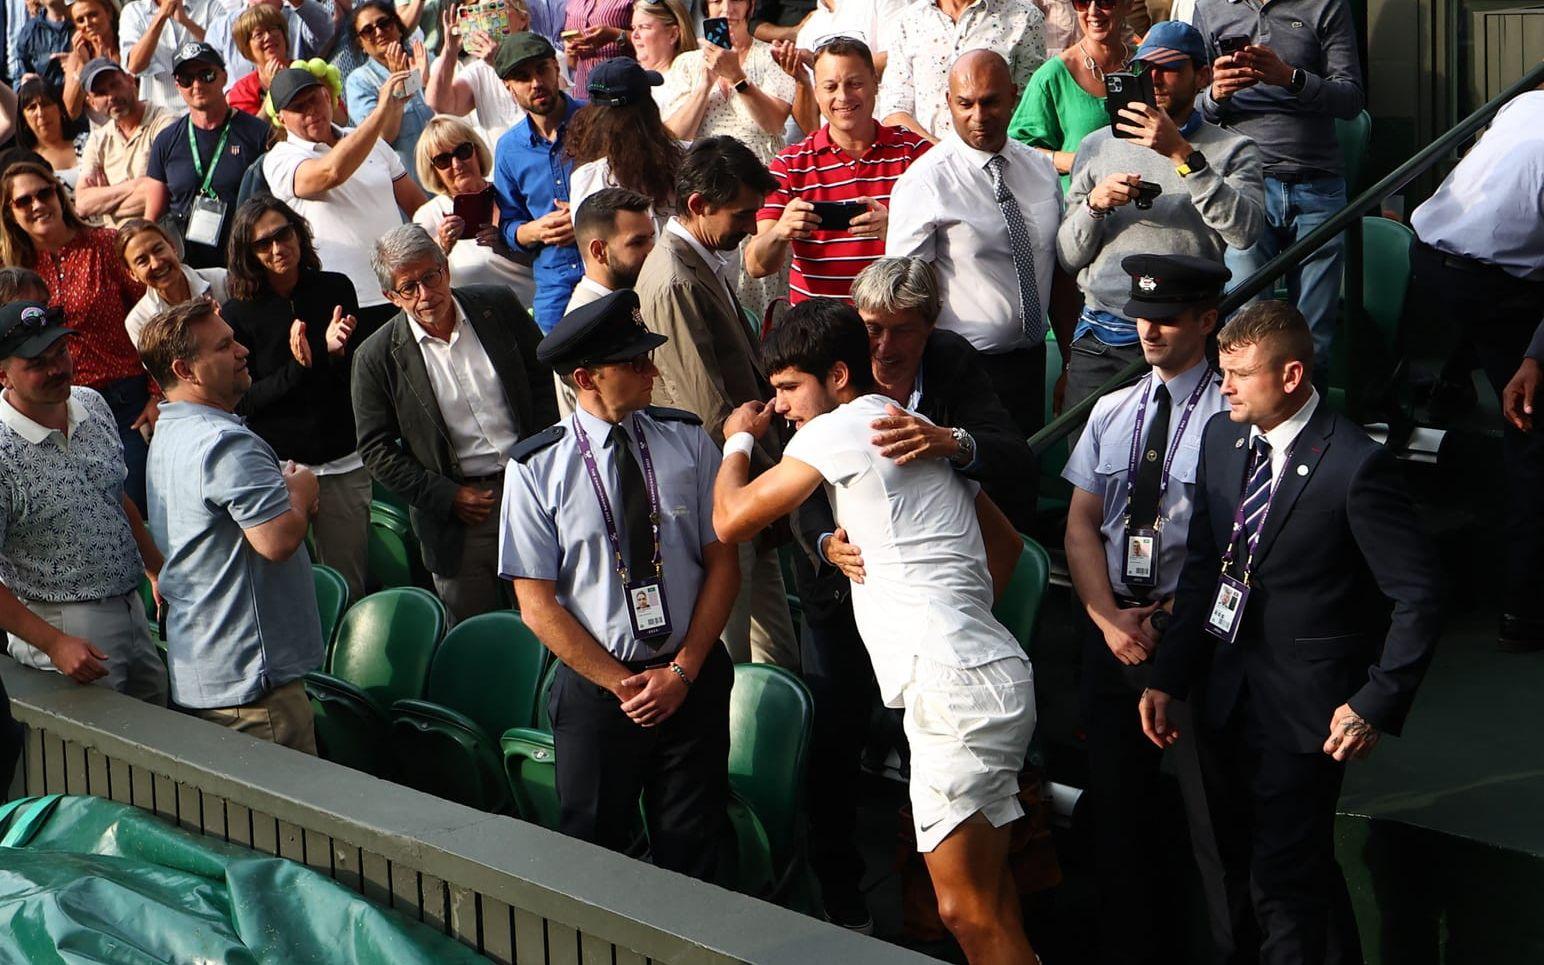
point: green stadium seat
(381, 496)
(350, 726)
(530, 766)
(386, 643)
(1018, 608)
(392, 552)
(1354, 136)
(1055, 492)
(331, 600)
(445, 753)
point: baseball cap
(1170, 41)
(195, 52)
(95, 68)
(288, 83)
(27, 329)
(516, 49)
(621, 81)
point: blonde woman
(662, 31)
(452, 161)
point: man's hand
(386, 96)
(843, 555)
(1231, 74)
(481, 46)
(1269, 67)
(796, 222)
(94, 178)
(752, 417)
(449, 232)
(1114, 191)
(872, 223)
(338, 331)
(1125, 633)
(1517, 397)
(1154, 709)
(1351, 737)
(555, 228)
(660, 693)
(145, 421)
(77, 659)
(300, 349)
(303, 488)
(721, 63)
(1155, 129)
(472, 505)
(904, 437)
(1059, 394)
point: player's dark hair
(816, 334)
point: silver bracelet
(675, 668)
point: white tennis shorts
(969, 731)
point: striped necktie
(1257, 496)
(1031, 319)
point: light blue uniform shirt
(238, 626)
(1102, 459)
(551, 527)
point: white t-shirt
(472, 263)
(347, 219)
(866, 20)
(927, 592)
(495, 110)
(593, 176)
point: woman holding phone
(453, 163)
(1064, 100)
(595, 30)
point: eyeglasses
(429, 279)
(283, 236)
(41, 196)
(381, 26)
(462, 152)
(207, 76)
(1102, 4)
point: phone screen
(1233, 44)
(715, 30)
(837, 215)
(1121, 90)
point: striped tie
(1257, 496)
(1031, 318)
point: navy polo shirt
(171, 161)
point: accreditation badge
(1141, 566)
(205, 219)
(646, 609)
(1227, 609)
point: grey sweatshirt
(1202, 214)
(1295, 132)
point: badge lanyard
(612, 534)
(1168, 460)
(214, 162)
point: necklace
(1093, 68)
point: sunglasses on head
(42, 195)
(462, 152)
(186, 79)
(283, 236)
(1102, 4)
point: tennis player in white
(935, 551)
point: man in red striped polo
(831, 204)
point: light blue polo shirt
(238, 626)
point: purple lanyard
(1265, 514)
(605, 504)
(1168, 460)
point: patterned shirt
(63, 535)
(926, 43)
(817, 169)
(89, 282)
(584, 14)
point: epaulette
(531, 445)
(667, 414)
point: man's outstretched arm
(742, 508)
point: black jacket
(1344, 603)
(402, 435)
(304, 413)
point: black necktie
(1146, 488)
(637, 530)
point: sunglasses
(207, 76)
(283, 236)
(429, 279)
(41, 196)
(462, 152)
(1102, 4)
(381, 26)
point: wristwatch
(1194, 161)
(1299, 80)
(967, 452)
(742, 85)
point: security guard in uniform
(607, 533)
(1134, 473)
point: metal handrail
(1418, 164)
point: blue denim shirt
(361, 92)
(238, 625)
(530, 173)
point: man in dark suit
(1306, 644)
(934, 374)
(442, 393)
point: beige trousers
(760, 628)
(341, 530)
(281, 716)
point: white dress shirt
(471, 397)
(1491, 207)
(155, 81)
(1284, 435)
(716, 261)
(943, 210)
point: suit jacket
(712, 363)
(402, 434)
(955, 393)
(1344, 603)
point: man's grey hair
(892, 285)
(400, 246)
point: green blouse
(1055, 113)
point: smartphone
(1122, 90)
(475, 209)
(837, 215)
(1233, 44)
(491, 18)
(411, 86)
(1147, 191)
(715, 30)
(568, 34)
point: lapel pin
(1302, 470)
(1239, 444)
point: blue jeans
(127, 398)
(1292, 210)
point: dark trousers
(1499, 313)
(1019, 380)
(128, 398)
(681, 768)
(1090, 364)
(12, 737)
(1275, 814)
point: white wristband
(741, 442)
